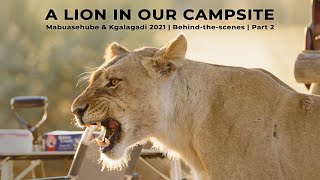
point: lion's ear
(113, 50)
(175, 49)
(168, 58)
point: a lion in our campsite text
(224, 122)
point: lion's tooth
(100, 143)
(106, 140)
(98, 124)
(101, 135)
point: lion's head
(129, 95)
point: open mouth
(110, 134)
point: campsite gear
(85, 165)
(307, 66)
(21, 102)
(85, 158)
(62, 140)
(15, 140)
(92, 168)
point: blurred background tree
(36, 61)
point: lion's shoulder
(267, 73)
(259, 74)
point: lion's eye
(115, 82)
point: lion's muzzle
(79, 112)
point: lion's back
(261, 122)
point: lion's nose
(79, 112)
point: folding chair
(85, 166)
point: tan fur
(225, 122)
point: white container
(15, 141)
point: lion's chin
(115, 160)
(118, 157)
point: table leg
(7, 169)
(33, 164)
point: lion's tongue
(102, 140)
(113, 124)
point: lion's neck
(188, 107)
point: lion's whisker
(84, 73)
(81, 80)
(83, 83)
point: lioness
(224, 122)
